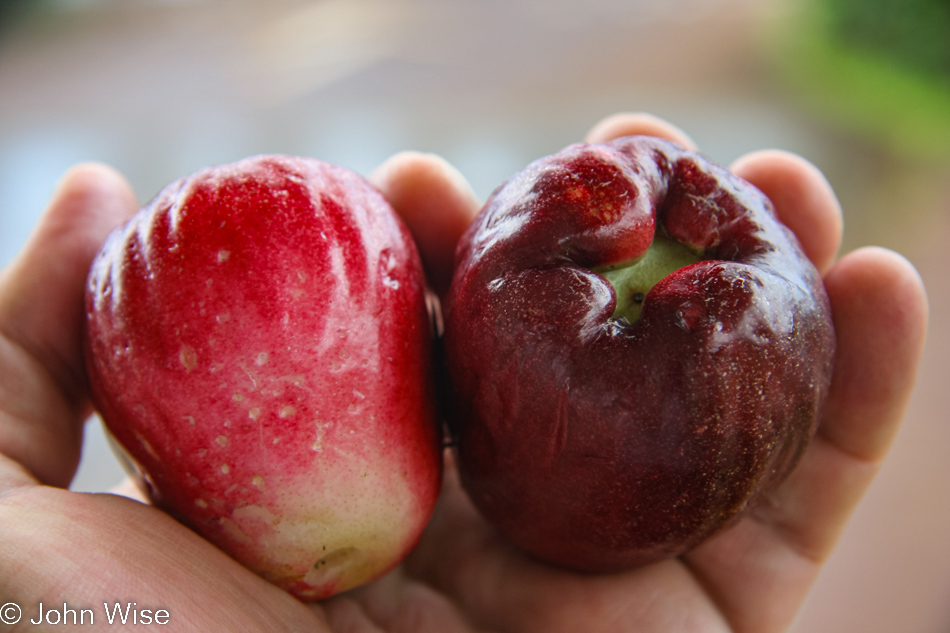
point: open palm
(85, 549)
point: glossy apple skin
(598, 444)
(258, 343)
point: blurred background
(160, 88)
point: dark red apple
(638, 350)
(258, 342)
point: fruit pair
(637, 349)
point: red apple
(258, 342)
(639, 350)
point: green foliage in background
(912, 33)
(879, 68)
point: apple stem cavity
(632, 281)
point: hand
(84, 549)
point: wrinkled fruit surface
(638, 349)
(258, 343)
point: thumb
(43, 398)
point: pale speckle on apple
(223, 256)
(221, 441)
(145, 444)
(233, 532)
(188, 357)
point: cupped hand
(85, 549)
(754, 576)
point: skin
(752, 577)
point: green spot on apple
(632, 282)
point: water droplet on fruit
(221, 441)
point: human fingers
(880, 311)
(396, 602)
(90, 549)
(761, 569)
(499, 588)
(41, 292)
(636, 123)
(43, 397)
(804, 200)
(436, 203)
